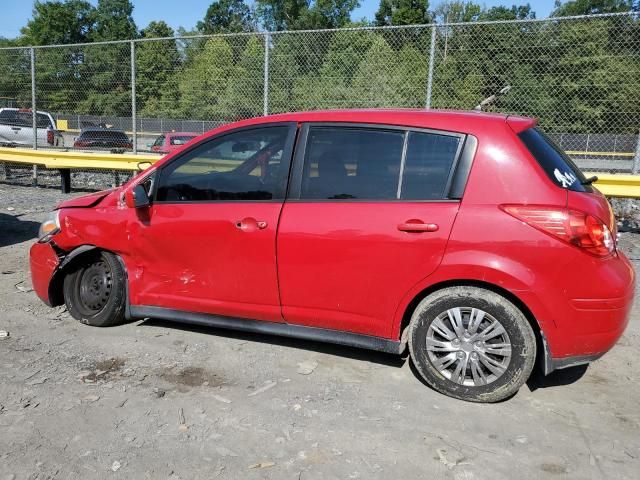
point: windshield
(556, 164)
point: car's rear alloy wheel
(468, 346)
(471, 343)
(94, 290)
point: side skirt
(270, 328)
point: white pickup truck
(16, 128)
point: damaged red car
(468, 238)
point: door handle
(250, 224)
(417, 227)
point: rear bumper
(43, 262)
(588, 327)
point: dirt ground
(153, 399)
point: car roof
(178, 134)
(450, 120)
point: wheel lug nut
(460, 354)
(474, 356)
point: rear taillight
(50, 137)
(80, 144)
(576, 228)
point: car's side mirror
(137, 197)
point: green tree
(456, 11)
(246, 89)
(114, 21)
(157, 66)
(327, 14)
(205, 83)
(589, 7)
(516, 12)
(377, 82)
(60, 71)
(108, 67)
(304, 14)
(15, 81)
(227, 16)
(281, 14)
(402, 12)
(71, 21)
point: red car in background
(168, 142)
(469, 238)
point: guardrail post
(432, 54)
(34, 113)
(265, 107)
(636, 158)
(133, 96)
(65, 180)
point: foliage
(576, 76)
(402, 12)
(71, 21)
(227, 16)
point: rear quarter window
(556, 164)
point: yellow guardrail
(619, 185)
(65, 159)
(599, 154)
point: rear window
(181, 139)
(557, 165)
(104, 135)
(17, 118)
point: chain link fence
(578, 75)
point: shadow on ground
(320, 347)
(13, 230)
(565, 376)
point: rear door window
(352, 163)
(556, 164)
(359, 163)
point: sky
(186, 13)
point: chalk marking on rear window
(566, 179)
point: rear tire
(94, 290)
(472, 344)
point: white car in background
(16, 128)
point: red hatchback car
(170, 141)
(469, 238)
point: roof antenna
(489, 100)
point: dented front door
(208, 242)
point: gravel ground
(158, 400)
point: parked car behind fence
(16, 128)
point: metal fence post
(636, 158)
(34, 113)
(267, 40)
(133, 96)
(432, 52)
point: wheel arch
(70, 260)
(513, 298)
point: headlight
(49, 227)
